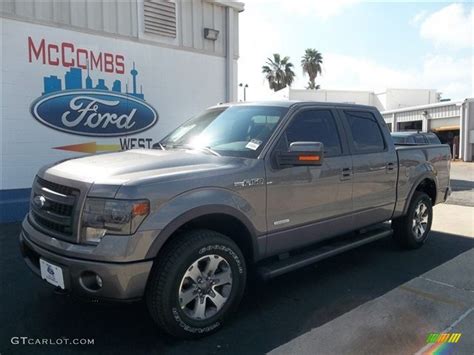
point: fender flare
(425, 176)
(197, 212)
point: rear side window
(365, 130)
(313, 126)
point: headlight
(108, 216)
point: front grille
(65, 190)
(53, 206)
(66, 230)
(59, 208)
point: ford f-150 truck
(270, 187)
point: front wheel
(197, 282)
(411, 230)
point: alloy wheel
(205, 287)
(420, 220)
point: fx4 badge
(249, 182)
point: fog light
(91, 281)
(98, 279)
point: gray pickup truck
(270, 187)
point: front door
(309, 203)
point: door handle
(346, 174)
(390, 166)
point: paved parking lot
(462, 184)
(321, 305)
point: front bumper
(121, 281)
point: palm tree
(311, 63)
(278, 72)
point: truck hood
(134, 166)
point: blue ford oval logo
(97, 113)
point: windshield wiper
(209, 150)
(192, 147)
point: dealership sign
(80, 105)
(94, 113)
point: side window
(410, 140)
(365, 130)
(313, 126)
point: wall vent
(160, 17)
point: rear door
(374, 166)
(309, 203)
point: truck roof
(293, 103)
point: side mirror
(301, 154)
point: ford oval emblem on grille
(39, 201)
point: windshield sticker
(253, 144)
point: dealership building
(452, 121)
(81, 77)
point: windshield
(236, 131)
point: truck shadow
(271, 313)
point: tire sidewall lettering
(191, 329)
(220, 247)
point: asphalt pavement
(273, 316)
(462, 184)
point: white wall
(400, 98)
(176, 83)
(343, 96)
(388, 100)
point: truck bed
(419, 161)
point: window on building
(160, 17)
(366, 134)
(313, 126)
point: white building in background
(452, 121)
(388, 100)
(393, 99)
(136, 69)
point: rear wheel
(411, 230)
(197, 282)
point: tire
(412, 230)
(178, 288)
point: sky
(365, 45)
